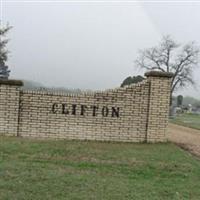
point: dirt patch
(186, 138)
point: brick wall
(9, 107)
(159, 101)
(137, 113)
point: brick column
(9, 106)
(158, 108)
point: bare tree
(4, 72)
(169, 56)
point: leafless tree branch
(169, 56)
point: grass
(32, 169)
(188, 120)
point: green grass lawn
(31, 169)
(189, 120)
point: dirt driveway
(187, 138)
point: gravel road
(187, 138)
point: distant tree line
(131, 80)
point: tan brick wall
(143, 113)
(158, 108)
(9, 108)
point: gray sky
(91, 45)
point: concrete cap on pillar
(11, 82)
(159, 74)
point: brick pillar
(158, 108)
(9, 106)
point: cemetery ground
(47, 169)
(188, 120)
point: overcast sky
(91, 45)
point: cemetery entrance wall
(135, 113)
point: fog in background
(91, 45)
